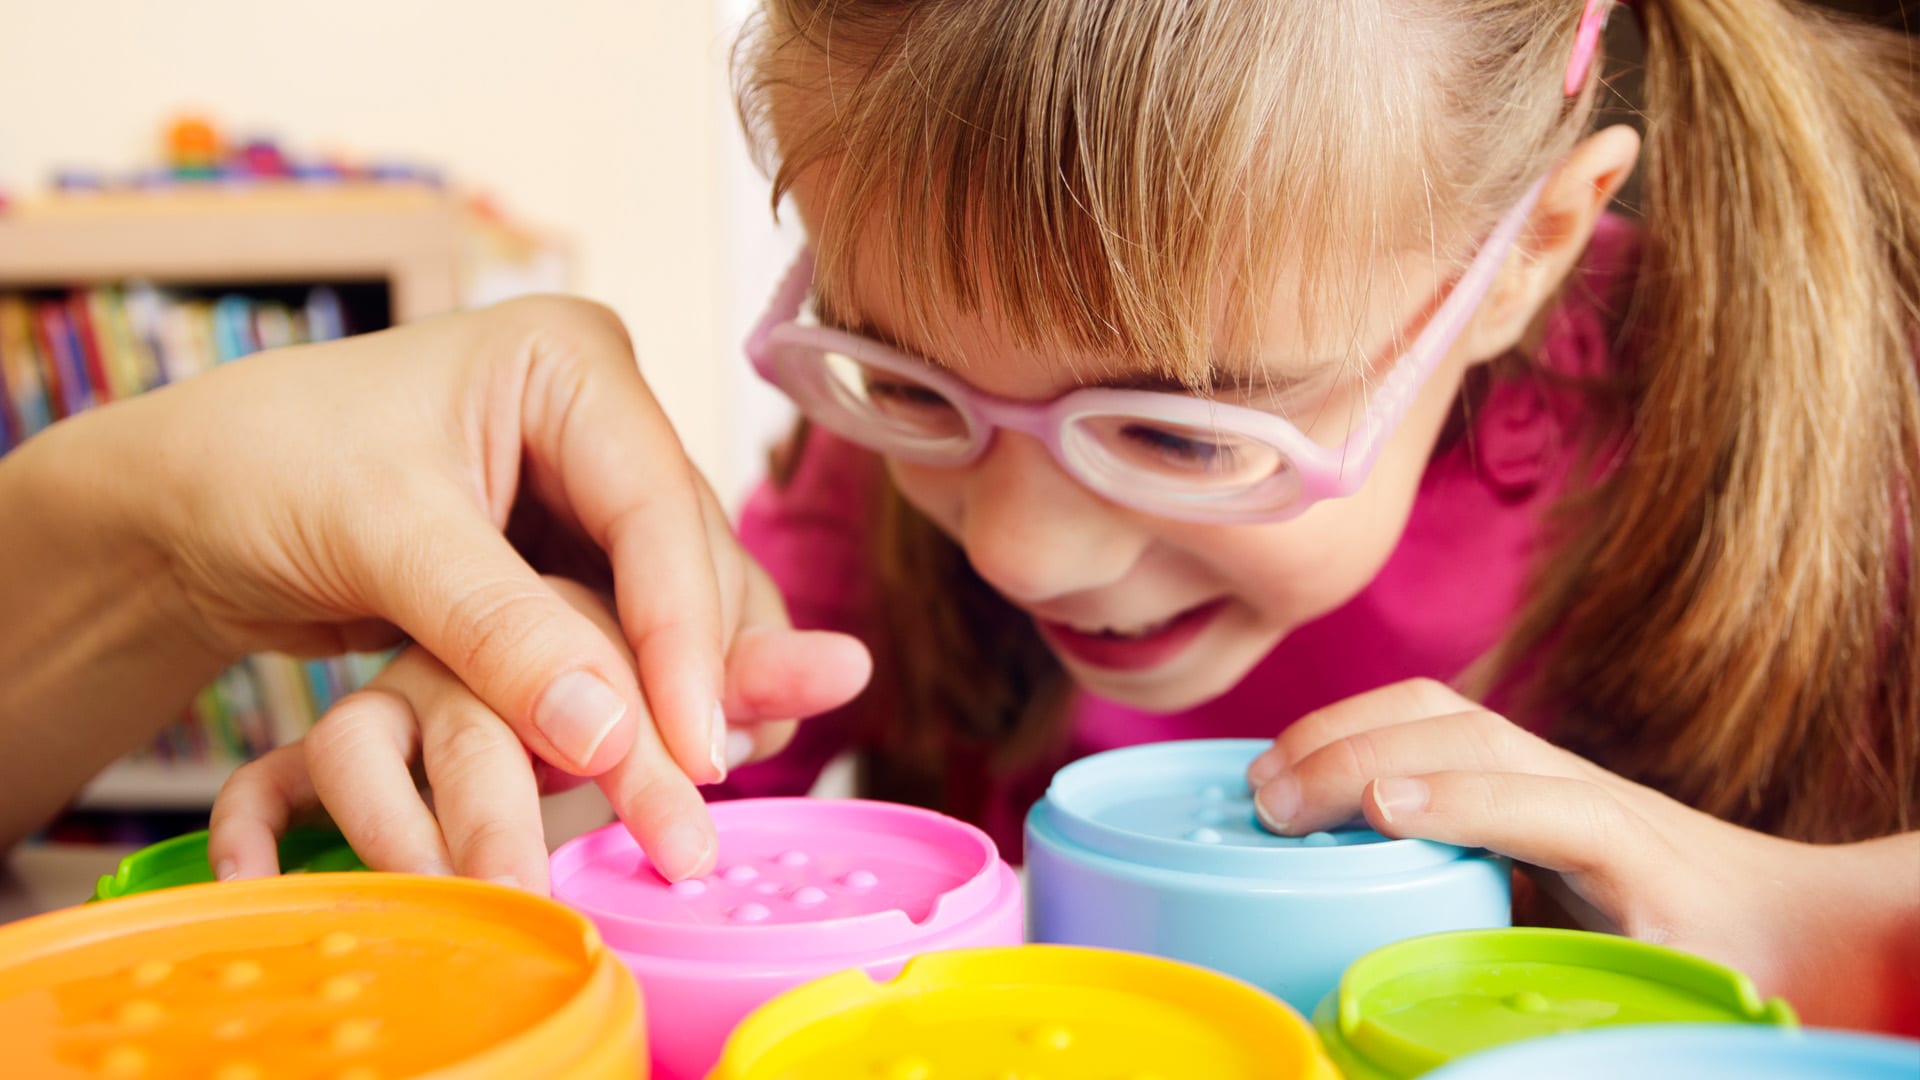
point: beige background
(606, 120)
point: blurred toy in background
(261, 158)
(194, 150)
(78, 180)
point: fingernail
(717, 743)
(680, 853)
(1264, 768)
(1277, 802)
(226, 870)
(509, 882)
(739, 748)
(1399, 796)
(437, 869)
(578, 712)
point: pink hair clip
(1586, 42)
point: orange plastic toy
(193, 144)
(334, 977)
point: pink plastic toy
(804, 888)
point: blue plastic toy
(1155, 849)
(1695, 1052)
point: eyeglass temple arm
(785, 306)
(1398, 390)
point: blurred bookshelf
(107, 294)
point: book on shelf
(63, 351)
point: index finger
(594, 429)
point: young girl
(1218, 369)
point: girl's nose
(1035, 533)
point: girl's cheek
(1300, 570)
(937, 493)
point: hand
(1815, 924)
(332, 497)
(484, 817)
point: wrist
(100, 647)
(106, 503)
(1857, 938)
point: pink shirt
(1446, 595)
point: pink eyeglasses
(1167, 454)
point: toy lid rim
(599, 1013)
(1073, 966)
(138, 869)
(1345, 1021)
(1062, 809)
(984, 889)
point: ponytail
(1733, 616)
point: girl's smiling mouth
(1136, 648)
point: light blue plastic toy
(1695, 1052)
(1156, 849)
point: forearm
(96, 645)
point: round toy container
(1155, 849)
(1411, 1007)
(1696, 1052)
(1051, 1011)
(804, 888)
(342, 977)
(183, 861)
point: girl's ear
(1557, 233)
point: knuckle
(566, 315)
(654, 793)
(241, 787)
(1485, 801)
(1498, 742)
(578, 332)
(1359, 755)
(1598, 825)
(1431, 696)
(1308, 730)
(386, 823)
(491, 626)
(346, 728)
(493, 837)
(469, 742)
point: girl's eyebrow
(1223, 376)
(1229, 377)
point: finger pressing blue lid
(1187, 806)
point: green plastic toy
(183, 861)
(1411, 1007)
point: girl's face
(1156, 613)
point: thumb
(541, 665)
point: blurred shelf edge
(140, 784)
(436, 251)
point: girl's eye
(1183, 451)
(890, 395)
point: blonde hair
(1730, 615)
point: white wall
(758, 253)
(605, 120)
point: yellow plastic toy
(1052, 1011)
(332, 977)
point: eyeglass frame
(1323, 472)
